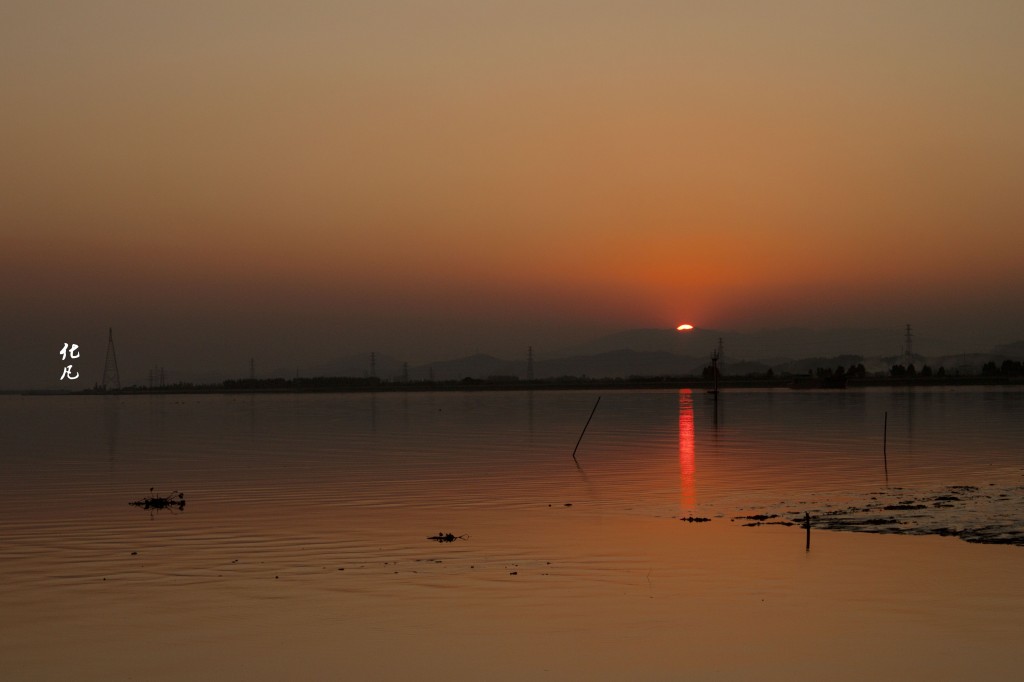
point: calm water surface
(302, 551)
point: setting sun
(684, 327)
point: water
(302, 550)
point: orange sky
(501, 174)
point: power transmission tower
(373, 365)
(156, 377)
(908, 344)
(252, 369)
(529, 363)
(111, 377)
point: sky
(297, 181)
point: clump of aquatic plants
(993, 514)
(446, 537)
(764, 520)
(176, 500)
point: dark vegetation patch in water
(981, 515)
(446, 537)
(763, 520)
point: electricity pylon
(111, 377)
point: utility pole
(908, 346)
(715, 355)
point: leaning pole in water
(584, 430)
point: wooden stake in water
(885, 441)
(584, 430)
(807, 525)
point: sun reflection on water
(687, 464)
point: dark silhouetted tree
(857, 371)
(1011, 368)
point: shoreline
(364, 385)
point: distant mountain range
(660, 352)
(617, 363)
(767, 345)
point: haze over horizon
(301, 181)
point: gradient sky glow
(303, 180)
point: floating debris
(446, 537)
(695, 519)
(175, 500)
